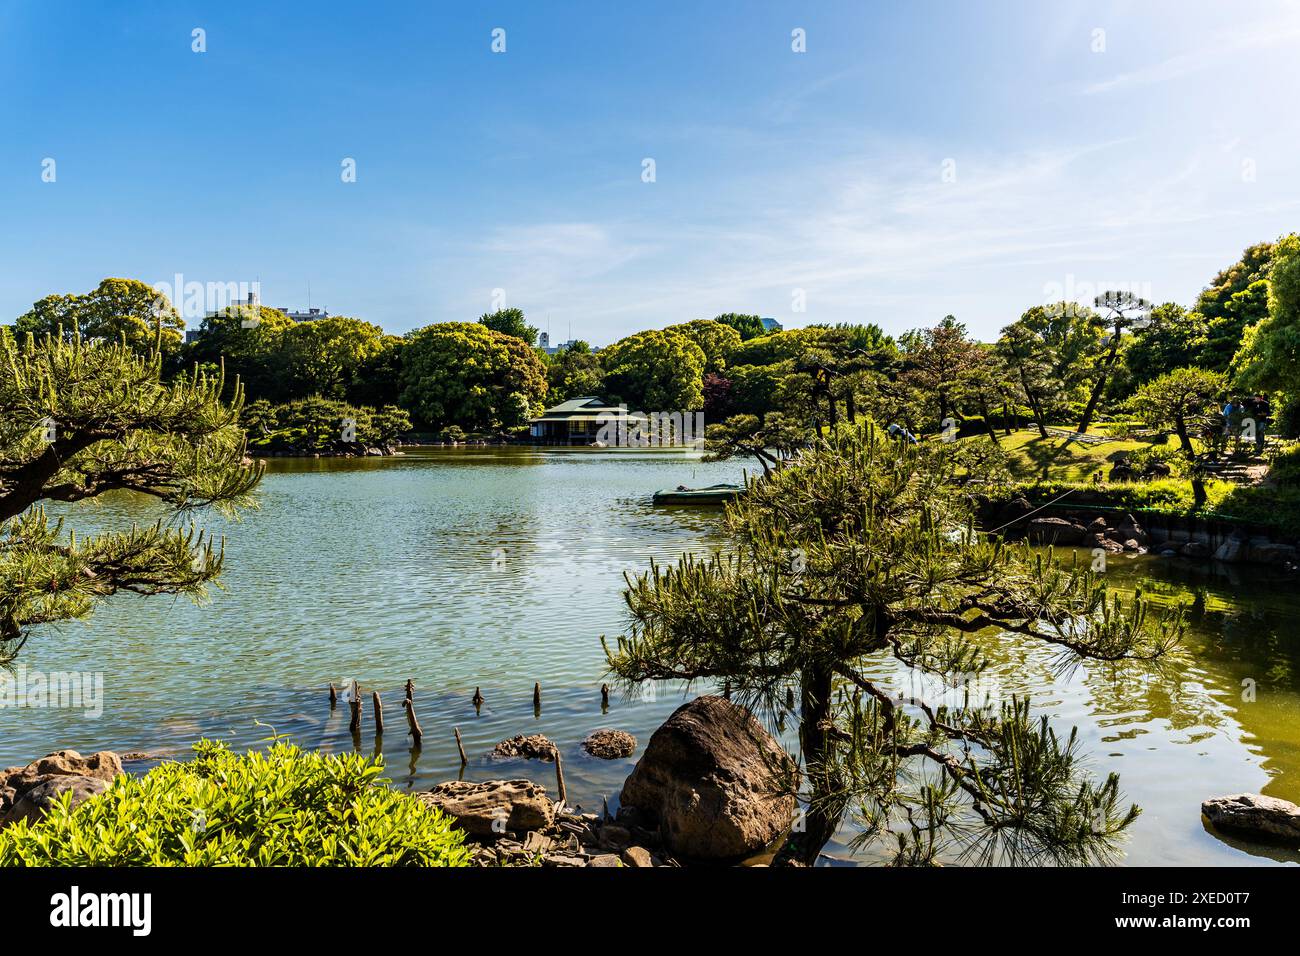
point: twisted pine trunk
(821, 820)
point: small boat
(712, 495)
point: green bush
(285, 807)
(1287, 421)
(1285, 469)
(1273, 508)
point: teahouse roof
(585, 408)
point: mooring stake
(416, 733)
(354, 724)
(461, 747)
(379, 715)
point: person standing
(1259, 411)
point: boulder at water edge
(27, 792)
(1253, 814)
(705, 781)
(515, 805)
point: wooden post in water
(379, 714)
(416, 733)
(604, 697)
(559, 778)
(354, 724)
(334, 695)
(410, 689)
(461, 747)
(537, 697)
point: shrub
(1285, 470)
(1287, 422)
(285, 807)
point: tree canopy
(83, 418)
(510, 322)
(1269, 357)
(465, 373)
(861, 554)
(115, 310)
(655, 371)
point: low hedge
(284, 807)
(1270, 507)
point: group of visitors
(1246, 419)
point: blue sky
(1147, 156)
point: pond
(499, 567)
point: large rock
(27, 792)
(609, 744)
(1254, 814)
(1233, 549)
(1269, 552)
(1055, 531)
(37, 801)
(517, 805)
(704, 781)
(531, 747)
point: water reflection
(496, 568)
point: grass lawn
(1047, 468)
(1034, 458)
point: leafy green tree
(1255, 263)
(259, 418)
(1053, 351)
(467, 374)
(248, 342)
(1223, 334)
(388, 423)
(716, 340)
(859, 557)
(749, 326)
(655, 371)
(939, 362)
(116, 310)
(510, 322)
(574, 370)
(754, 388)
(783, 346)
(1179, 397)
(1269, 358)
(1126, 311)
(1172, 338)
(377, 380)
(986, 384)
(79, 419)
(770, 441)
(326, 356)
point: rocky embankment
(701, 793)
(339, 450)
(1118, 531)
(26, 793)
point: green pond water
(495, 568)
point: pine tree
(79, 419)
(861, 556)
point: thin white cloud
(1224, 49)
